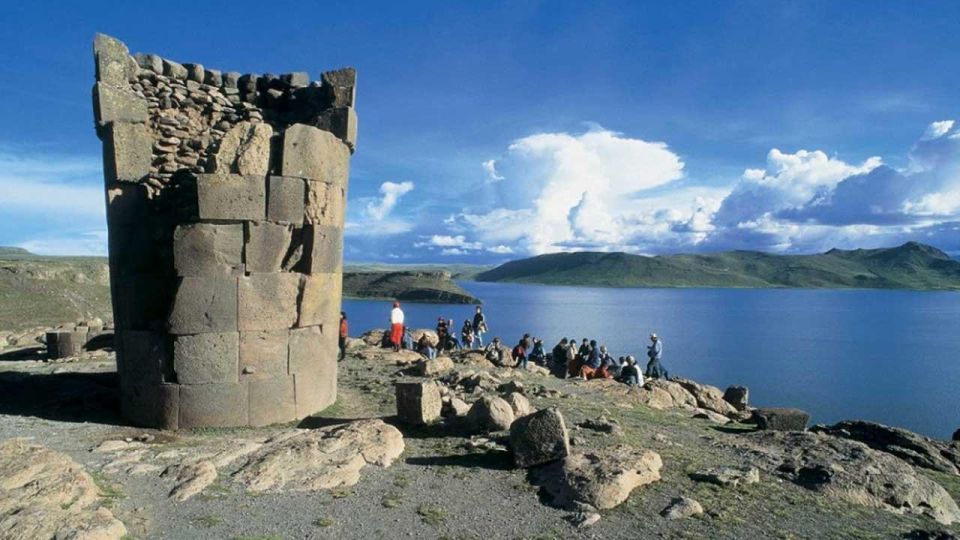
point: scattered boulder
(906, 445)
(780, 419)
(45, 494)
(418, 402)
(519, 403)
(716, 418)
(191, 478)
(455, 407)
(665, 394)
(682, 507)
(325, 458)
(539, 438)
(600, 480)
(728, 476)
(430, 368)
(850, 471)
(510, 386)
(707, 397)
(491, 413)
(738, 396)
(374, 338)
(602, 425)
(582, 520)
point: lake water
(887, 356)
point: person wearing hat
(655, 353)
(396, 326)
(494, 352)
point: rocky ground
(672, 460)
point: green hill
(431, 287)
(910, 266)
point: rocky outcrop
(906, 445)
(431, 368)
(850, 471)
(781, 419)
(45, 494)
(682, 507)
(539, 438)
(738, 396)
(192, 478)
(326, 458)
(707, 397)
(728, 476)
(600, 480)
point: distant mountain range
(910, 266)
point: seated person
(630, 373)
(425, 347)
(538, 355)
(592, 363)
(494, 352)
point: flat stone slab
(781, 419)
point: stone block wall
(226, 198)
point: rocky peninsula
(407, 286)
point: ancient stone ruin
(225, 204)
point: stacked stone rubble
(226, 196)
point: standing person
(396, 326)
(442, 331)
(343, 336)
(479, 326)
(466, 334)
(527, 343)
(558, 358)
(451, 329)
(655, 354)
(520, 354)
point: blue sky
(491, 131)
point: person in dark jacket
(538, 355)
(655, 354)
(520, 354)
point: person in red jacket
(343, 335)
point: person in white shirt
(396, 326)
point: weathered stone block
(418, 402)
(285, 200)
(174, 70)
(297, 79)
(127, 151)
(231, 197)
(150, 62)
(204, 304)
(326, 203)
(194, 72)
(245, 149)
(113, 61)
(151, 405)
(341, 86)
(113, 104)
(212, 77)
(63, 343)
(263, 354)
(781, 419)
(315, 390)
(266, 244)
(206, 249)
(342, 122)
(272, 401)
(539, 438)
(143, 358)
(268, 301)
(320, 299)
(322, 249)
(312, 349)
(219, 404)
(230, 79)
(206, 358)
(315, 154)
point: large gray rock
(342, 122)
(539, 438)
(127, 152)
(231, 197)
(206, 249)
(206, 358)
(601, 480)
(850, 471)
(906, 445)
(708, 397)
(738, 396)
(781, 419)
(418, 402)
(245, 149)
(431, 368)
(285, 200)
(518, 402)
(265, 247)
(682, 507)
(314, 154)
(491, 413)
(204, 304)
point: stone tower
(226, 197)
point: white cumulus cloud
(376, 218)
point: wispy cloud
(490, 167)
(376, 218)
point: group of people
(588, 360)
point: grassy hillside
(910, 266)
(44, 291)
(434, 287)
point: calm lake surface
(888, 356)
